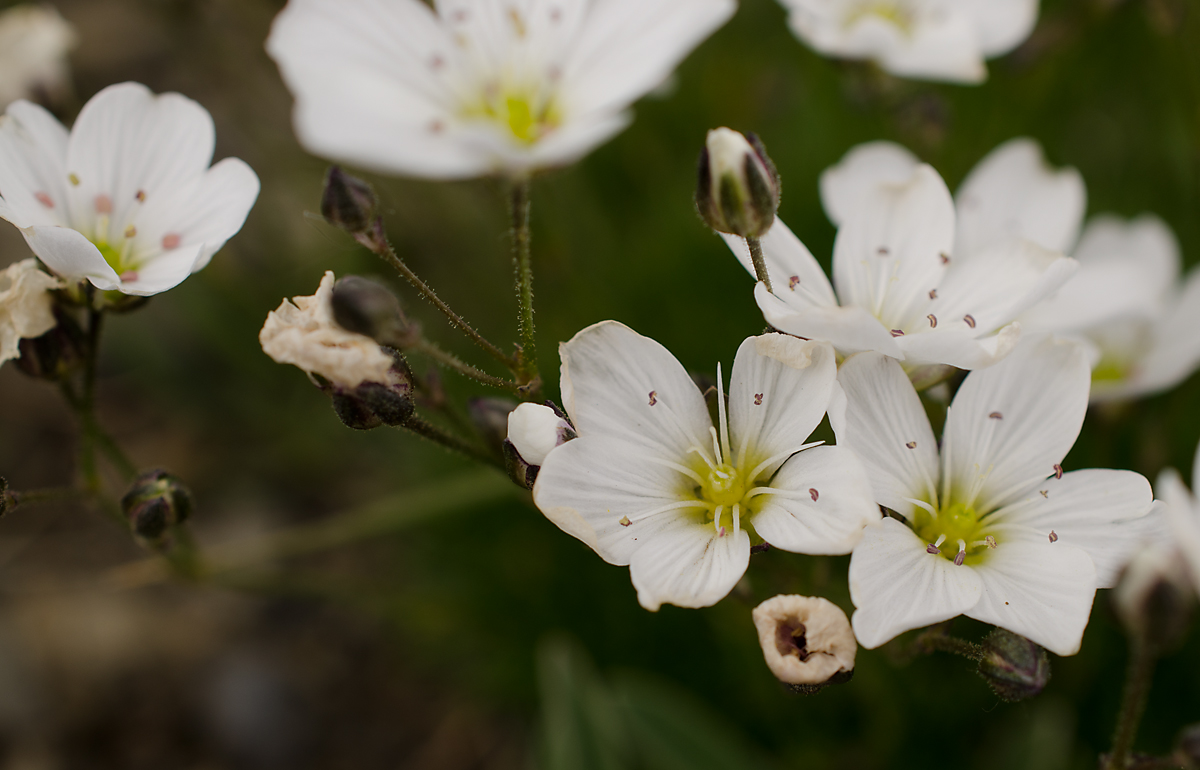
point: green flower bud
(365, 307)
(156, 502)
(738, 187)
(348, 202)
(1013, 666)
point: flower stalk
(527, 369)
(759, 261)
(1133, 703)
(451, 361)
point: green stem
(1133, 703)
(85, 404)
(523, 267)
(451, 361)
(760, 262)
(41, 496)
(450, 441)
(378, 243)
(938, 639)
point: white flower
(995, 529)
(925, 39)
(304, 334)
(899, 289)
(126, 200)
(26, 307)
(806, 640)
(534, 430)
(652, 484)
(476, 87)
(34, 41)
(1183, 516)
(1125, 301)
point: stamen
(699, 451)
(961, 556)
(74, 180)
(721, 414)
(663, 509)
(883, 251)
(44, 199)
(1045, 493)
(911, 445)
(924, 506)
(737, 519)
(941, 539)
(1053, 536)
(931, 548)
(758, 397)
(104, 204)
(932, 321)
(933, 293)
(814, 494)
(970, 319)
(717, 519)
(996, 416)
(945, 258)
(140, 196)
(129, 276)
(793, 282)
(776, 458)
(130, 232)
(1058, 471)
(653, 397)
(897, 332)
(624, 521)
(171, 241)
(716, 441)
(677, 467)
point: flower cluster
(34, 42)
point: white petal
(889, 254)
(943, 47)
(1041, 591)
(628, 47)
(1175, 349)
(846, 186)
(897, 586)
(688, 565)
(128, 141)
(958, 347)
(574, 139)
(70, 255)
(32, 157)
(534, 429)
(832, 523)
(1104, 512)
(886, 427)
(166, 271)
(1182, 514)
(1012, 423)
(795, 274)
(778, 393)
(615, 382)
(590, 485)
(848, 329)
(1002, 25)
(1013, 193)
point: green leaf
(582, 727)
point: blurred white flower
(652, 484)
(304, 334)
(925, 39)
(1126, 300)
(899, 290)
(1183, 516)
(806, 640)
(126, 200)
(34, 41)
(26, 307)
(535, 429)
(995, 529)
(476, 87)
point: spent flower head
(475, 87)
(806, 640)
(26, 305)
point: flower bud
(348, 202)
(534, 429)
(1187, 747)
(368, 308)
(372, 404)
(806, 640)
(55, 354)
(1014, 667)
(489, 415)
(738, 187)
(156, 502)
(1153, 598)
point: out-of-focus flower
(126, 200)
(806, 640)
(303, 333)
(26, 306)
(899, 290)
(34, 41)
(1154, 597)
(924, 39)
(738, 188)
(475, 87)
(156, 502)
(993, 528)
(1183, 516)
(1125, 302)
(652, 484)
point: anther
(897, 332)
(970, 319)
(814, 494)
(1058, 471)
(129, 276)
(721, 532)
(961, 556)
(989, 541)
(883, 251)
(624, 521)
(130, 232)
(171, 241)
(945, 258)
(911, 445)
(996, 416)
(931, 548)
(933, 293)
(44, 199)
(1045, 493)
(459, 16)
(932, 321)
(74, 180)
(1053, 536)
(793, 282)
(556, 15)
(436, 126)
(758, 397)
(103, 204)
(653, 397)
(140, 197)
(436, 62)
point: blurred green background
(462, 638)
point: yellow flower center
(723, 485)
(891, 12)
(955, 529)
(526, 116)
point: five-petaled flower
(925, 39)
(651, 483)
(992, 528)
(1126, 301)
(476, 87)
(127, 199)
(901, 288)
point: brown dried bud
(806, 640)
(1014, 667)
(57, 353)
(365, 307)
(372, 404)
(348, 202)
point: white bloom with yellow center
(126, 199)
(1128, 301)
(924, 39)
(992, 527)
(26, 306)
(899, 288)
(652, 484)
(34, 41)
(475, 87)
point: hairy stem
(85, 404)
(42, 496)
(451, 441)
(451, 361)
(760, 262)
(1133, 703)
(523, 268)
(377, 242)
(938, 639)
